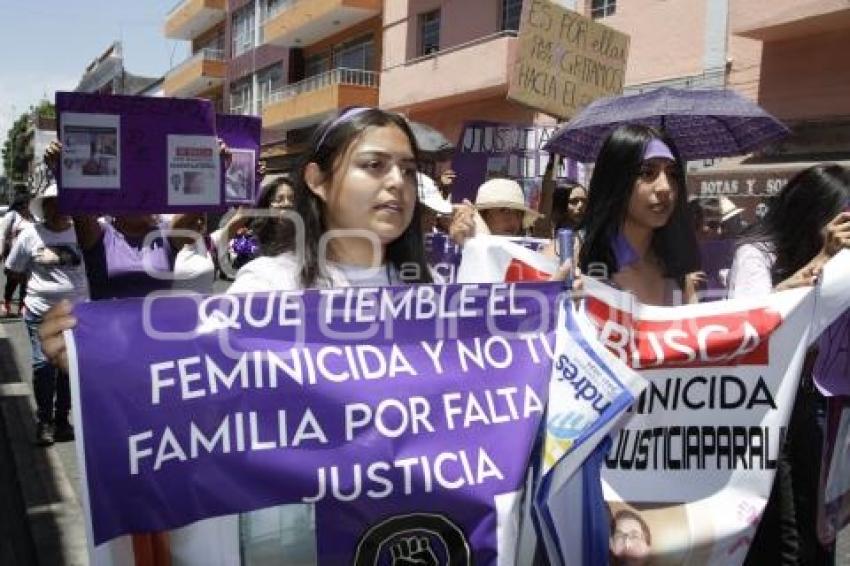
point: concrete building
(292, 62)
(106, 74)
(444, 62)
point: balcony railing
(267, 14)
(339, 76)
(206, 54)
(175, 7)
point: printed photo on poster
(239, 181)
(649, 533)
(193, 170)
(91, 157)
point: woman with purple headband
(358, 179)
(638, 232)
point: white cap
(37, 202)
(430, 196)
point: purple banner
(242, 136)
(137, 154)
(493, 149)
(386, 413)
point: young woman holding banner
(359, 179)
(803, 229)
(638, 232)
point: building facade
(445, 62)
(292, 62)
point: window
(317, 64)
(356, 54)
(243, 30)
(240, 96)
(429, 32)
(268, 81)
(602, 8)
(214, 47)
(511, 10)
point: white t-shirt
(283, 273)
(55, 263)
(11, 225)
(194, 269)
(750, 272)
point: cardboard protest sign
(565, 60)
(137, 154)
(335, 426)
(488, 150)
(242, 136)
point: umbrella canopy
(432, 144)
(702, 123)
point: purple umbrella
(702, 123)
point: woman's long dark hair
(792, 227)
(270, 231)
(617, 168)
(330, 141)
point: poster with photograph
(117, 159)
(193, 170)
(242, 136)
(239, 181)
(90, 151)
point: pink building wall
(667, 37)
(445, 90)
(802, 75)
(807, 77)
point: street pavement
(41, 521)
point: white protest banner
(690, 469)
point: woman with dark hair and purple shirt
(638, 230)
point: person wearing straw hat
(499, 210)
(49, 252)
(731, 220)
(433, 203)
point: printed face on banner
(239, 180)
(91, 157)
(193, 170)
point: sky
(45, 45)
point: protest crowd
(379, 354)
(633, 229)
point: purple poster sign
(396, 419)
(242, 136)
(493, 149)
(137, 154)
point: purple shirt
(119, 268)
(832, 367)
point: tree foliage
(18, 147)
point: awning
(737, 179)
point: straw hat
(430, 196)
(37, 202)
(728, 209)
(505, 193)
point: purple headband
(344, 117)
(657, 148)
